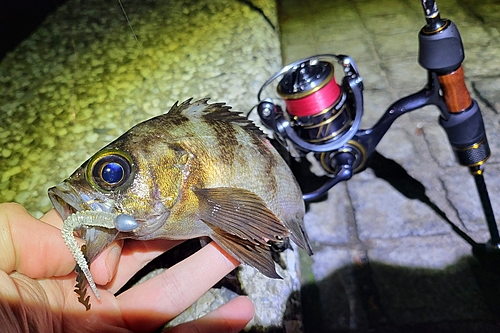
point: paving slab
(327, 222)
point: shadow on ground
(380, 298)
(377, 297)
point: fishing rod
(313, 114)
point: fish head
(133, 182)
(124, 179)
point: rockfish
(198, 170)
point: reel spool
(315, 101)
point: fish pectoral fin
(242, 224)
(255, 255)
(241, 213)
(299, 236)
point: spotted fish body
(198, 170)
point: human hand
(37, 282)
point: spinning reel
(321, 117)
(313, 114)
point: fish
(199, 170)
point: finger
(103, 268)
(30, 246)
(52, 217)
(120, 261)
(156, 301)
(136, 255)
(231, 317)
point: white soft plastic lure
(87, 218)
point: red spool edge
(316, 102)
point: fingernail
(112, 260)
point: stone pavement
(386, 257)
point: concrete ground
(387, 258)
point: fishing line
(73, 98)
(128, 22)
(155, 82)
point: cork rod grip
(455, 93)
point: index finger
(31, 246)
(159, 299)
(52, 217)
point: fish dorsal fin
(186, 108)
(242, 225)
(213, 112)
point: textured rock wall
(82, 79)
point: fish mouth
(67, 200)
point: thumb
(30, 246)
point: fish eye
(112, 173)
(109, 170)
